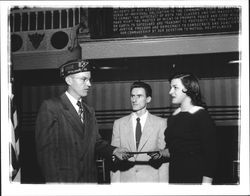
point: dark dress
(191, 139)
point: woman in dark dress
(190, 135)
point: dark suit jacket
(66, 148)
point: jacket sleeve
(115, 141)
(46, 136)
(163, 170)
(161, 136)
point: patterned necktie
(80, 111)
(138, 132)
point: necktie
(138, 132)
(80, 111)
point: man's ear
(68, 80)
(148, 99)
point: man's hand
(207, 180)
(160, 153)
(121, 153)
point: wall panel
(111, 100)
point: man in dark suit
(67, 137)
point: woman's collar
(191, 110)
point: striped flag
(14, 144)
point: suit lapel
(71, 114)
(88, 121)
(130, 134)
(146, 133)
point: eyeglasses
(84, 79)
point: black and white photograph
(124, 97)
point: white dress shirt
(73, 101)
(143, 119)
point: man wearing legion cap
(67, 137)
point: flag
(14, 144)
(73, 38)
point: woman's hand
(159, 154)
(207, 180)
(165, 153)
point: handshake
(124, 154)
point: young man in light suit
(140, 167)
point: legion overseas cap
(74, 66)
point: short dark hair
(191, 83)
(140, 84)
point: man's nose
(134, 99)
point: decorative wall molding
(36, 39)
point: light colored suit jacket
(152, 138)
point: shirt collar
(72, 100)
(142, 118)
